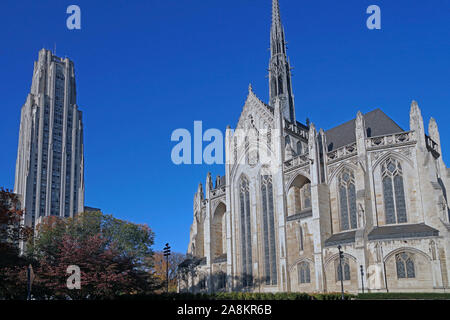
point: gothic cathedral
(292, 194)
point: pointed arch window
(345, 272)
(270, 262)
(304, 275)
(299, 148)
(393, 192)
(405, 265)
(246, 246)
(305, 196)
(347, 201)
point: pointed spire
(276, 17)
(200, 191)
(433, 131)
(209, 183)
(416, 123)
(360, 126)
(280, 84)
(415, 115)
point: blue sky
(146, 68)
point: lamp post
(341, 256)
(167, 254)
(362, 277)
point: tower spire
(276, 18)
(280, 84)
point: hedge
(239, 296)
(404, 296)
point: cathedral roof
(403, 231)
(377, 124)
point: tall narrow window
(346, 269)
(247, 151)
(393, 192)
(299, 148)
(305, 196)
(270, 262)
(246, 246)
(269, 140)
(304, 275)
(405, 265)
(347, 201)
(235, 150)
(301, 238)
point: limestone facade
(292, 193)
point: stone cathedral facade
(292, 193)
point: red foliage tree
(105, 273)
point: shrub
(404, 296)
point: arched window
(299, 148)
(221, 280)
(405, 265)
(345, 266)
(393, 192)
(280, 85)
(270, 261)
(305, 196)
(246, 238)
(347, 201)
(287, 140)
(303, 272)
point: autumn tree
(12, 232)
(160, 264)
(114, 256)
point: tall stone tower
(280, 83)
(50, 161)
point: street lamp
(362, 277)
(341, 256)
(167, 254)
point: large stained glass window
(393, 192)
(347, 201)
(246, 245)
(346, 269)
(270, 261)
(405, 265)
(304, 275)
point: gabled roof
(377, 124)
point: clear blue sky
(145, 68)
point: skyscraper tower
(50, 161)
(280, 84)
